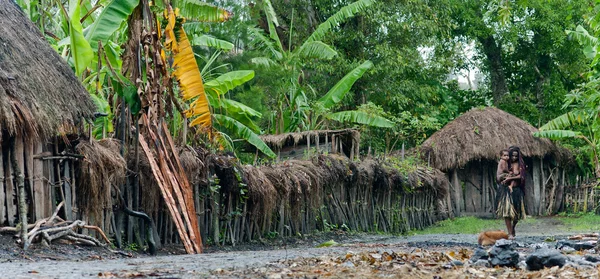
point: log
(164, 188)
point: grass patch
(466, 225)
(588, 222)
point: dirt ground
(353, 255)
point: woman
(511, 206)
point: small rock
(568, 250)
(479, 254)
(505, 243)
(482, 263)
(592, 259)
(502, 254)
(545, 258)
(578, 246)
(375, 256)
(456, 263)
(348, 264)
(538, 246)
(522, 265)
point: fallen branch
(49, 229)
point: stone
(479, 254)
(481, 263)
(538, 246)
(348, 264)
(505, 243)
(545, 258)
(578, 246)
(592, 259)
(503, 254)
(456, 263)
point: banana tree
(293, 106)
(204, 97)
(582, 121)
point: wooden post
(543, 189)
(536, 186)
(333, 144)
(11, 208)
(308, 144)
(67, 190)
(35, 202)
(458, 197)
(3, 205)
(18, 165)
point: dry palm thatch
(102, 167)
(39, 94)
(191, 164)
(481, 134)
(293, 139)
(261, 191)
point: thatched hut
(302, 144)
(467, 149)
(40, 100)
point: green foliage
(109, 21)
(243, 132)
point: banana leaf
(341, 88)
(243, 132)
(361, 117)
(558, 134)
(109, 21)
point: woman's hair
(521, 163)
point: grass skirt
(510, 205)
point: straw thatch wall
(467, 149)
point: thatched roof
(293, 139)
(39, 94)
(481, 134)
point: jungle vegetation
(394, 69)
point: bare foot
(511, 237)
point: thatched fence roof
(293, 139)
(39, 94)
(481, 134)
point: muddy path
(358, 255)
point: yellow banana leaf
(190, 81)
(170, 40)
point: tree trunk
(493, 53)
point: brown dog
(490, 237)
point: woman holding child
(511, 179)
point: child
(506, 170)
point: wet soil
(353, 255)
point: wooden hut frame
(468, 148)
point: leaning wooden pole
(16, 149)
